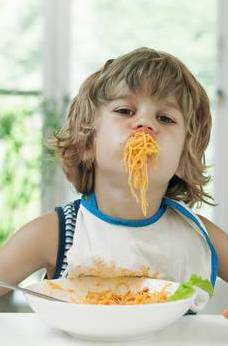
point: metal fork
(31, 292)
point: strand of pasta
(130, 298)
(138, 148)
(110, 297)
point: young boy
(105, 233)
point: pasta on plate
(107, 292)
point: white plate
(107, 322)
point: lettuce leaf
(204, 284)
(186, 289)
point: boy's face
(119, 118)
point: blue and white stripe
(70, 220)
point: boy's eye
(165, 118)
(125, 111)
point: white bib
(171, 245)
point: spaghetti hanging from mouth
(138, 149)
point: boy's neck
(118, 202)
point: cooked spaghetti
(139, 147)
(120, 294)
(130, 298)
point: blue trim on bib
(91, 205)
(214, 257)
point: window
(20, 121)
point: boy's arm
(32, 247)
(220, 240)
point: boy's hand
(225, 313)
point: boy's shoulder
(186, 212)
(32, 247)
(180, 207)
(45, 230)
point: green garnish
(204, 284)
(186, 289)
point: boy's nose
(146, 129)
(151, 127)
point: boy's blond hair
(162, 75)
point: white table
(26, 329)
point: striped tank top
(67, 219)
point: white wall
(221, 120)
(56, 71)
